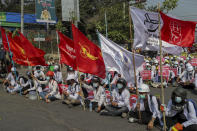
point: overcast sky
(186, 10)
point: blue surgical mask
(47, 78)
(142, 96)
(178, 99)
(119, 86)
(95, 85)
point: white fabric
(153, 106)
(122, 99)
(11, 79)
(190, 116)
(99, 95)
(146, 33)
(116, 58)
(74, 91)
(58, 76)
(53, 88)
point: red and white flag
(175, 33)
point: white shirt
(10, 78)
(53, 88)
(74, 91)
(99, 94)
(153, 106)
(58, 76)
(190, 116)
(39, 74)
(122, 99)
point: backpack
(194, 103)
(158, 101)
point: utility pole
(22, 16)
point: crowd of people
(113, 96)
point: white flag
(146, 32)
(116, 58)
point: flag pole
(133, 54)
(161, 55)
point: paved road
(21, 114)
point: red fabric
(24, 53)
(4, 39)
(193, 62)
(146, 74)
(88, 56)
(67, 51)
(178, 32)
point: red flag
(177, 32)
(24, 52)
(4, 39)
(67, 51)
(88, 56)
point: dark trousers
(171, 121)
(145, 117)
(116, 111)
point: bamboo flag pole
(162, 89)
(134, 63)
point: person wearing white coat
(120, 104)
(57, 74)
(72, 95)
(180, 112)
(52, 93)
(98, 98)
(11, 81)
(148, 106)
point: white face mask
(119, 86)
(47, 78)
(95, 84)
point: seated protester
(180, 112)
(72, 95)
(28, 84)
(82, 80)
(57, 74)
(120, 104)
(148, 106)
(39, 74)
(11, 81)
(98, 94)
(53, 91)
(195, 81)
(187, 75)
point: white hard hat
(147, 61)
(144, 88)
(70, 77)
(167, 57)
(56, 67)
(147, 64)
(176, 63)
(190, 68)
(13, 69)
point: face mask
(38, 71)
(120, 86)
(142, 97)
(178, 99)
(47, 78)
(95, 84)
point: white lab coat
(190, 116)
(99, 94)
(74, 91)
(58, 76)
(122, 99)
(53, 88)
(153, 106)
